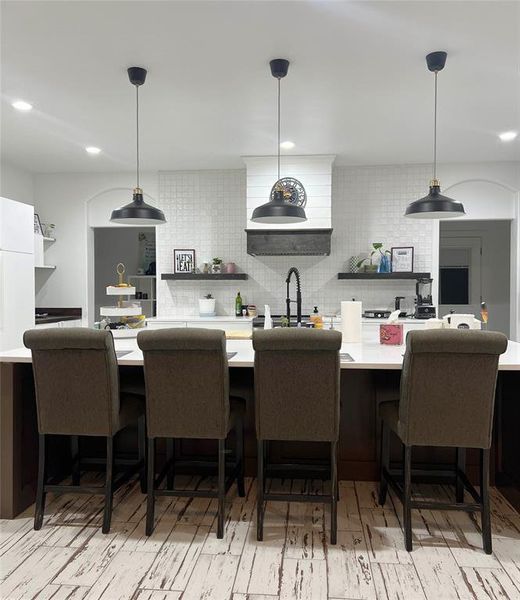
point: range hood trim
(289, 242)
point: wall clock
(293, 191)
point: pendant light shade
(435, 205)
(137, 212)
(278, 210)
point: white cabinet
(231, 324)
(164, 324)
(225, 325)
(71, 323)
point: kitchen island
(370, 374)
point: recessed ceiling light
(22, 105)
(508, 136)
(93, 150)
(287, 145)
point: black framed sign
(402, 259)
(183, 261)
(37, 224)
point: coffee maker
(424, 308)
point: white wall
(16, 184)
(76, 203)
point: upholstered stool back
(187, 383)
(297, 384)
(76, 380)
(448, 388)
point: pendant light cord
(435, 131)
(279, 80)
(137, 129)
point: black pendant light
(287, 195)
(137, 212)
(435, 205)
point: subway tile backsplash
(206, 211)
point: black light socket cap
(137, 75)
(279, 67)
(436, 60)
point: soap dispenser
(316, 319)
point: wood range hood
(289, 242)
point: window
(454, 285)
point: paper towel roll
(351, 321)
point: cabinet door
(224, 325)
(165, 324)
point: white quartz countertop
(366, 355)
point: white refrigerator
(16, 272)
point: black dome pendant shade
(137, 212)
(435, 205)
(277, 210)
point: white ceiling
(358, 86)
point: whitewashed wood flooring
(70, 559)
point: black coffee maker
(424, 308)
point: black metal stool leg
(333, 489)
(484, 494)
(170, 459)
(240, 457)
(384, 457)
(150, 487)
(260, 492)
(221, 487)
(76, 467)
(40, 491)
(407, 497)
(141, 445)
(109, 481)
(460, 466)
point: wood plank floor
(70, 559)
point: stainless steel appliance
(424, 308)
(376, 313)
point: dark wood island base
(361, 391)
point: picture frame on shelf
(402, 259)
(38, 229)
(183, 261)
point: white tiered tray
(124, 311)
(114, 290)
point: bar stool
(77, 394)
(187, 396)
(447, 399)
(297, 387)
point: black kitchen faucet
(288, 301)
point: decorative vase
(384, 264)
(352, 264)
(230, 267)
(216, 268)
(370, 268)
(207, 307)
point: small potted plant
(207, 306)
(384, 261)
(216, 266)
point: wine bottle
(238, 305)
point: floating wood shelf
(381, 276)
(204, 276)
